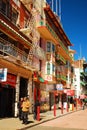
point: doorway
(7, 100)
(23, 87)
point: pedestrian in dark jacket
(20, 108)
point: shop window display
(44, 101)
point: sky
(74, 23)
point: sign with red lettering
(11, 80)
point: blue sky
(74, 22)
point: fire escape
(31, 32)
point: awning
(82, 96)
(69, 92)
(42, 80)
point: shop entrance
(7, 100)
(23, 87)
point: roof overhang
(46, 33)
(57, 24)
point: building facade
(35, 51)
(78, 80)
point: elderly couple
(24, 105)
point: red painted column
(54, 105)
(61, 108)
(38, 113)
(61, 105)
(80, 103)
(38, 94)
(76, 104)
(54, 109)
(34, 94)
(38, 107)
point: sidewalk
(16, 124)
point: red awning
(69, 92)
(82, 96)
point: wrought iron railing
(60, 58)
(6, 48)
(61, 77)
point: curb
(25, 128)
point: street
(73, 121)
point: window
(48, 68)
(14, 16)
(53, 48)
(53, 69)
(4, 7)
(86, 69)
(72, 69)
(71, 80)
(48, 47)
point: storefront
(70, 97)
(47, 98)
(44, 101)
(7, 96)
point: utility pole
(60, 9)
(57, 7)
(52, 6)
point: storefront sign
(69, 92)
(11, 80)
(49, 77)
(82, 96)
(59, 86)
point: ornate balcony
(60, 59)
(61, 77)
(8, 48)
(48, 33)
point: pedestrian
(20, 108)
(25, 109)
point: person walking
(25, 109)
(20, 108)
